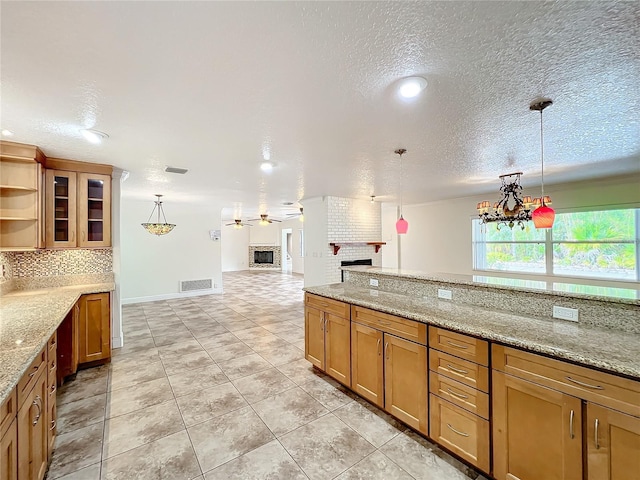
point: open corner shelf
(336, 245)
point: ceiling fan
(294, 215)
(264, 219)
(237, 223)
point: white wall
(235, 248)
(153, 266)
(265, 234)
(439, 236)
(295, 225)
(390, 252)
(315, 240)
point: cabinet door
(94, 210)
(338, 348)
(367, 365)
(68, 345)
(60, 210)
(613, 444)
(94, 329)
(405, 380)
(537, 431)
(32, 432)
(9, 453)
(314, 337)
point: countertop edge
(526, 344)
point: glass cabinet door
(94, 210)
(60, 225)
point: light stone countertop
(609, 350)
(28, 318)
(486, 280)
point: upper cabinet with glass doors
(78, 205)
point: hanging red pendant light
(543, 216)
(402, 226)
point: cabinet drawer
(28, 380)
(328, 305)
(462, 432)
(8, 411)
(400, 327)
(53, 342)
(466, 372)
(463, 346)
(459, 394)
(603, 388)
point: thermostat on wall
(214, 234)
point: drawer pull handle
(35, 370)
(459, 395)
(455, 345)
(378, 348)
(53, 389)
(457, 370)
(457, 431)
(597, 423)
(571, 435)
(386, 350)
(53, 366)
(384, 324)
(595, 387)
(326, 325)
(53, 425)
(37, 404)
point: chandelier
(518, 212)
(158, 228)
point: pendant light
(543, 216)
(158, 228)
(401, 225)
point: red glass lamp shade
(543, 216)
(402, 225)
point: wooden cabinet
(78, 208)
(387, 370)
(613, 444)
(52, 386)
(21, 205)
(9, 452)
(33, 432)
(94, 328)
(67, 350)
(328, 337)
(537, 431)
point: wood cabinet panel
(464, 371)
(405, 374)
(367, 366)
(613, 444)
(9, 452)
(605, 389)
(462, 432)
(466, 397)
(463, 346)
(67, 350)
(94, 328)
(33, 432)
(314, 337)
(537, 431)
(328, 305)
(28, 380)
(400, 327)
(94, 210)
(8, 411)
(52, 386)
(338, 348)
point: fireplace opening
(262, 257)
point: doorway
(287, 250)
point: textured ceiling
(211, 86)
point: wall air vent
(192, 285)
(181, 171)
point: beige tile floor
(216, 387)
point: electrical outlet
(446, 294)
(565, 313)
(373, 282)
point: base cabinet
(94, 328)
(33, 436)
(613, 444)
(367, 364)
(9, 453)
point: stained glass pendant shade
(158, 228)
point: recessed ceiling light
(7, 133)
(411, 87)
(93, 136)
(266, 166)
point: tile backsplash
(46, 263)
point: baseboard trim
(170, 296)
(116, 342)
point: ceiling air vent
(192, 285)
(181, 171)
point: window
(598, 244)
